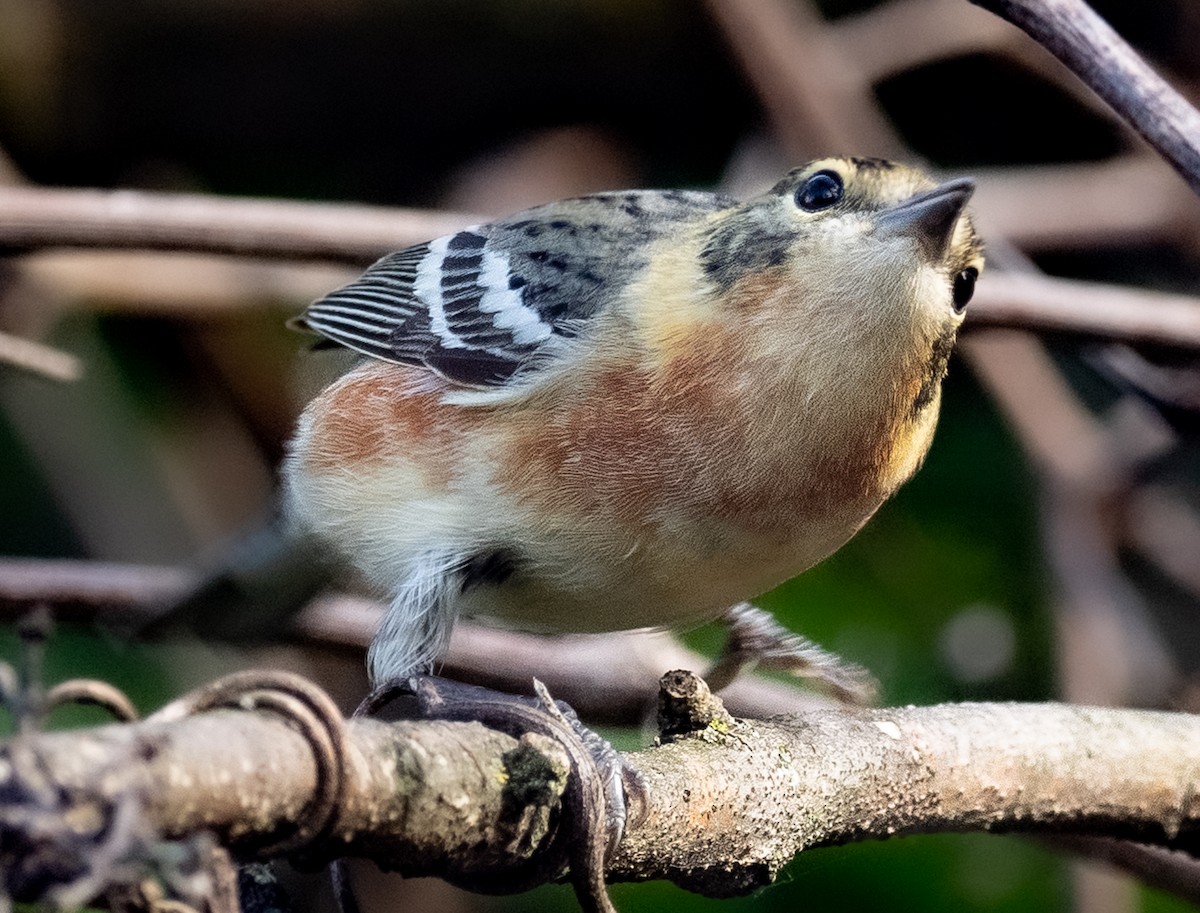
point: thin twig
(621, 667)
(1106, 311)
(26, 582)
(39, 359)
(902, 35)
(1170, 870)
(1087, 44)
(40, 217)
(819, 104)
(1126, 200)
(174, 282)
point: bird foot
(601, 791)
(755, 638)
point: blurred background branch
(36, 219)
(39, 217)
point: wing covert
(478, 305)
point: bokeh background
(1049, 548)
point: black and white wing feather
(482, 304)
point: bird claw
(756, 639)
(623, 783)
(598, 796)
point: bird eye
(820, 191)
(964, 287)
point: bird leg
(756, 638)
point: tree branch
(1125, 313)
(618, 666)
(39, 359)
(1027, 301)
(1170, 870)
(177, 282)
(831, 777)
(818, 101)
(905, 34)
(724, 807)
(1073, 33)
(39, 217)
(1130, 199)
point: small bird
(631, 409)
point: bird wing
(481, 305)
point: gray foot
(756, 638)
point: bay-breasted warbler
(632, 409)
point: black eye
(964, 287)
(820, 191)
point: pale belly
(569, 573)
(597, 529)
(601, 574)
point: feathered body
(631, 409)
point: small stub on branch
(686, 705)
